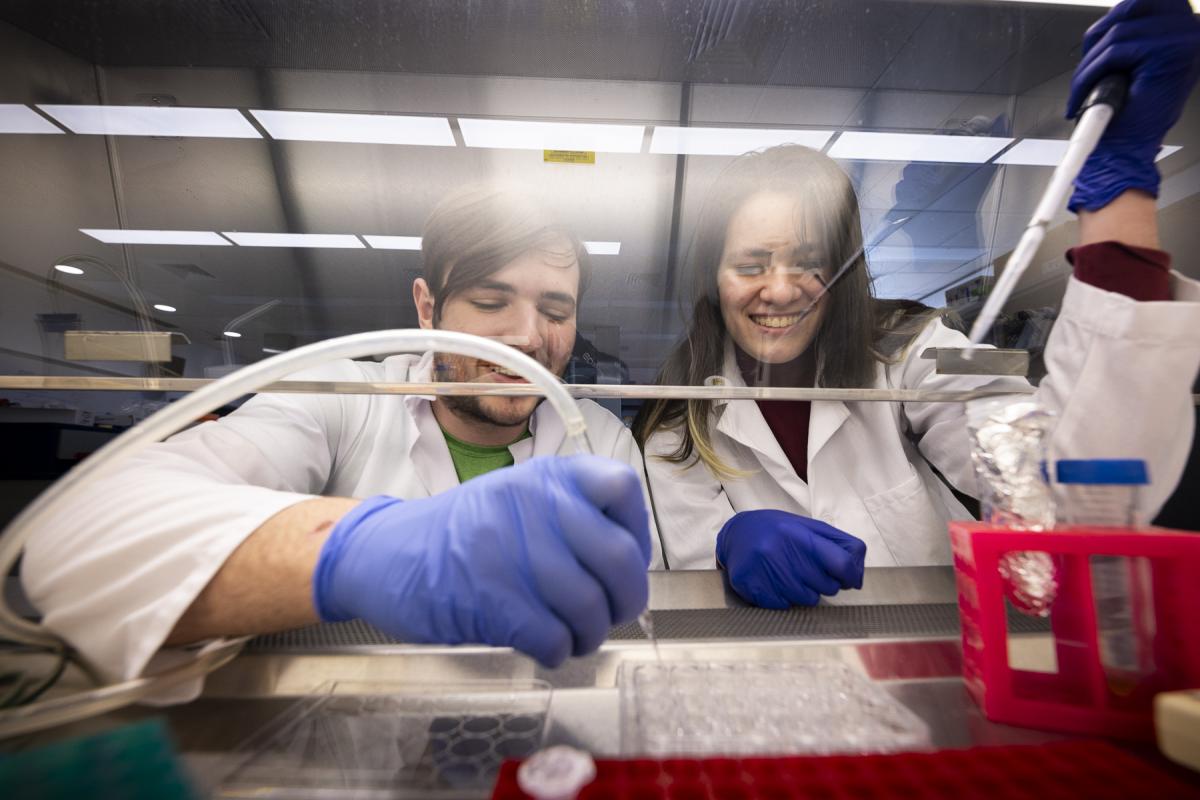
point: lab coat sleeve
(113, 570)
(689, 503)
(1119, 379)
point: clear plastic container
(383, 739)
(1100, 491)
(1104, 493)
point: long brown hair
(857, 331)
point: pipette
(646, 622)
(1101, 106)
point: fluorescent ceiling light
(603, 248)
(67, 268)
(394, 242)
(121, 236)
(317, 126)
(165, 307)
(22, 119)
(1050, 152)
(730, 141)
(224, 123)
(344, 241)
(870, 146)
(233, 334)
(1035, 153)
(272, 350)
(522, 135)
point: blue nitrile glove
(775, 559)
(1156, 44)
(544, 557)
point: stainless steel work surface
(900, 631)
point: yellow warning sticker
(569, 156)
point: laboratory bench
(901, 631)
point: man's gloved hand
(1156, 44)
(775, 559)
(544, 557)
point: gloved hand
(544, 557)
(1156, 44)
(776, 559)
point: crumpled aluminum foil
(1008, 450)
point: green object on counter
(134, 762)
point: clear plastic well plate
(744, 708)
(393, 740)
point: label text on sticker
(569, 156)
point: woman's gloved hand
(544, 557)
(1156, 44)
(775, 559)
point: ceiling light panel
(730, 141)
(871, 146)
(394, 242)
(121, 236)
(223, 123)
(1050, 152)
(23, 119)
(523, 135)
(603, 248)
(342, 241)
(316, 126)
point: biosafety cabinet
(192, 187)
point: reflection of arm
(114, 571)
(689, 503)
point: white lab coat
(114, 571)
(1119, 377)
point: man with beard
(256, 523)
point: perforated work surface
(825, 622)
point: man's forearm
(266, 584)
(1129, 219)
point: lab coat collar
(744, 422)
(435, 468)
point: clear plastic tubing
(1104, 493)
(245, 381)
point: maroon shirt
(1137, 272)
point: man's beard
(504, 412)
(497, 410)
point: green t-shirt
(473, 460)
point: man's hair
(474, 232)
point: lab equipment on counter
(557, 773)
(1076, 696)
(1104, 492)
(373, 739)
(1008, 451)
(1177, 722)
(691, 708)
(1090, 769)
